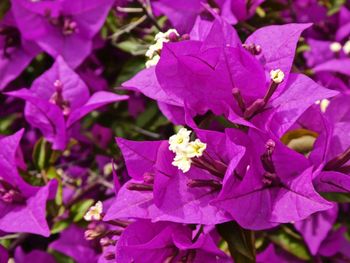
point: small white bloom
(154, 50)
(160, 35)
(152, 62)
(277, 76)
(166, 34)
(182, 162)
(178, 142)
(323, 104)
(151, 51)
(108, 169)
(184, 149)
(335, 47)
(346, 47)
(195, 148)
(94, 212)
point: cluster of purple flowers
(224, 141)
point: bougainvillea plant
(194, 131)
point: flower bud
(148, 178)
(106, 241)
(97, 232)
(109, 255)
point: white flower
(165, 35)
(108, 169)
(94, 212)
(154, 50)
(152, 62)
(335, 47)
(184, 149)
(323, 104)
(277, 76)
(178, 142)
(195, 148)
(151, 51)
(182, 162)
(346, 47)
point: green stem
(241, 242)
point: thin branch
(148, 12)
(147, 133)
(128, 28)
(21, 238)
(12, 236)
(106, 183)
(129, 9)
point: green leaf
(337, 197)
(60, 226)
(130, 68)
(335, 6)
(240, 242)
(146, 117)
(303, 48)
(133, 47)
(61, 258)
(79, 209)
(300, 140)
(291, 243)
(4, 7)
(6, 122)
(52, 174)
(42, 154)
(260, 12)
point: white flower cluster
(184, 149)
(337, 47)
(94, 212)
(153, 51)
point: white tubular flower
(151, 51)
(277, 76)
(179, 141)
(196, 148)
(335, 47)
(94, 212)
(323, 104)
(182, 162)
(108, 169)
(165, 35)
(346, 47)
(160, 35)
(154, 50)
(152, 62)
(185, 150)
